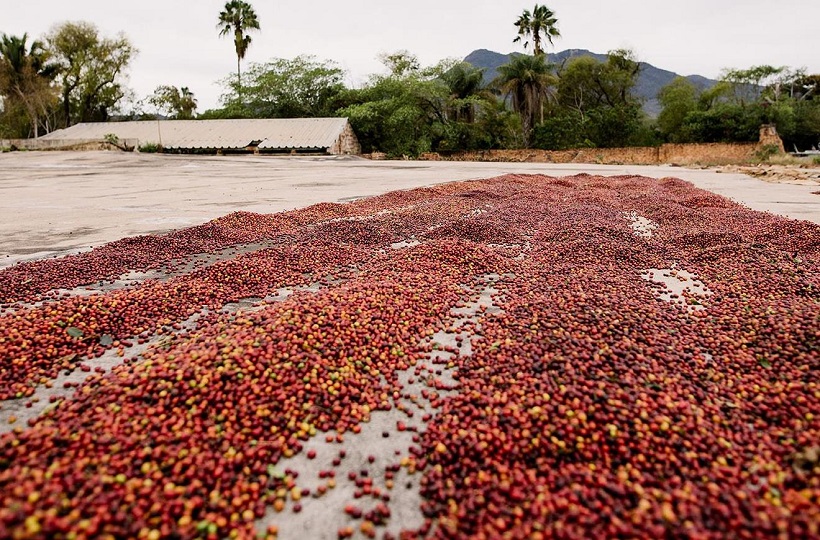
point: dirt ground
(56, 202)
(779, 174)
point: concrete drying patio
(54, 202)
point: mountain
(650, 80)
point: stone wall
(678, 154)
(66, 144)
(347, 143)
(708, 153)
(769, 137)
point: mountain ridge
(650, 80)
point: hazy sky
(179, 43)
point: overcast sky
(179, 43)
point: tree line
(76, 75)
(72, 75)
(739, 103)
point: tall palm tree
(26, 76)
(527, 80)
(238, 18)
(532, 24)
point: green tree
(414, 109)
(802, 87)
(717, 94)
(586, 83)
(678, 99)
(747, 85)
(474, 117)
(237, 19)
(562, 130)
(527, 81)
(791, 101)
(401, 113)
(400, 63)
(723, 122)
(91, 70)
(734, 109)
(285, 88)
(533, 24)
(26, 85)
(467, 91)
(578, 88)
(806, 131)
(176, 103)
(597, 97)
(496, 127)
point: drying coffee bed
(523, 356)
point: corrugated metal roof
(285, 133)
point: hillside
(650, 80)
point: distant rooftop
(267, 134)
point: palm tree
(466, 85)
(527, 80)
(238, 18)
(26, 76)
(187, 103)
(541, 20)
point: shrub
(767, 151)
(150, 148)
(113, 140)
